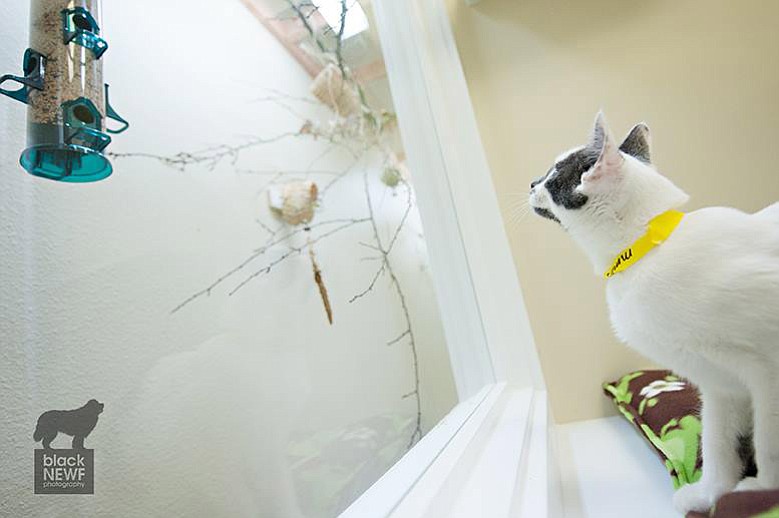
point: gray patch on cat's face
(636, 144)
(562, 180)
(544, 213)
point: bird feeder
(67, 100)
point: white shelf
(608, 471)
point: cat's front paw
(749, 484)
(699, 496)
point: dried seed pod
(333, 91)
(320, 283)
(294, 202)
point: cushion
(665, 409)
(744, 504)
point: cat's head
(603, 181)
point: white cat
(703, 302)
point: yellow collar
(658, 230)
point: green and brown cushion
(666, 410)
(744, 504)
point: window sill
(487, 457)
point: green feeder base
(66, 163)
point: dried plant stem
(320, 283)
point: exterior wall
(202, 407)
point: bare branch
(409, 204)
(339, 40)
(386, 266)
(345, 223)
(400, 337)
(266, 227)
(209, 156)
(300, 172)
(371, 284)
(304, 20)
(307, 228)
(292, 251)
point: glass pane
(247, 297)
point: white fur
(705, 303)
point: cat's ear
(638, 143)
(599, 132)
(609, 158)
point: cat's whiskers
(517, 208)
(520, 216)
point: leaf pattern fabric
(666, 410)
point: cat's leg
(725, 417)
(749, 484)
(765, 405)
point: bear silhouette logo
(77, 423)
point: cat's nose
(535, 182)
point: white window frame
(491, 455)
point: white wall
(204, 407)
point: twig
(386, 267)
(339, 40)
(209, 156)
(292, 251)
(260, 251)
(276, 172)
(307, 228)
(304, 20)
(385, 252)
(400, 337)
(271, 232)
(370, 286)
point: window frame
(479, 457)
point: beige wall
(704, 74)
